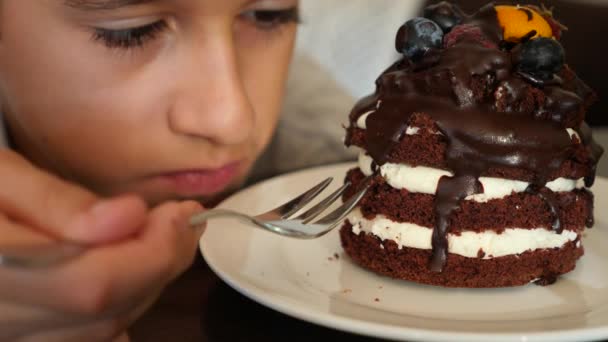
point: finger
(16, 236)
(18, 321)
(111, 329)
(20, 243)
(161, 253)
(64, 210)
(107, 221)
(110, 277)
(96, 331)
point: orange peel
(519, 22)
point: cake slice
(477, 151)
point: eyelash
(265, 20)
(129, 38)
(269, 20)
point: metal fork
(279, 220)
(283, 220)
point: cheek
(79, 104)
(264, 68)
(77, 113)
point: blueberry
(540, 57)
(445, 14)
(417, 36)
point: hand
(132, 254)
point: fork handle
(199, 219)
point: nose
(210, 100)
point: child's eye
(129, 38)
(271, 19)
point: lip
(202, 182)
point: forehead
(101, 5)
(104, 4)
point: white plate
(304, 280)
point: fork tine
(337, 215)
(288, 209)
(315, 211)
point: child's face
(165, 98)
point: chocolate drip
(559, 104)
(380, 139)
(450, 191)
(590, 221)
(551, 202)
(594, 149)
(590, 215)
(590, 178)
(374, 167)
(451, 86)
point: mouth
(202, 182)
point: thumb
(107, 221)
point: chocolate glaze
(548, 197)
(590, 215)
(466, 60)
(594, 149)
(487, 19)
(450, 191)
(539, 82)
(485, 111)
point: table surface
(200, 307)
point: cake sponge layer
(386, 258)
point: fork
(280, 221)
(283, 220)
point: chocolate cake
(476, 153)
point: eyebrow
(91, 5)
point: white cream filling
(512, 241)
(362, 120)
(412, 130)
(572, 133)
(425, 180)
(362, 123)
